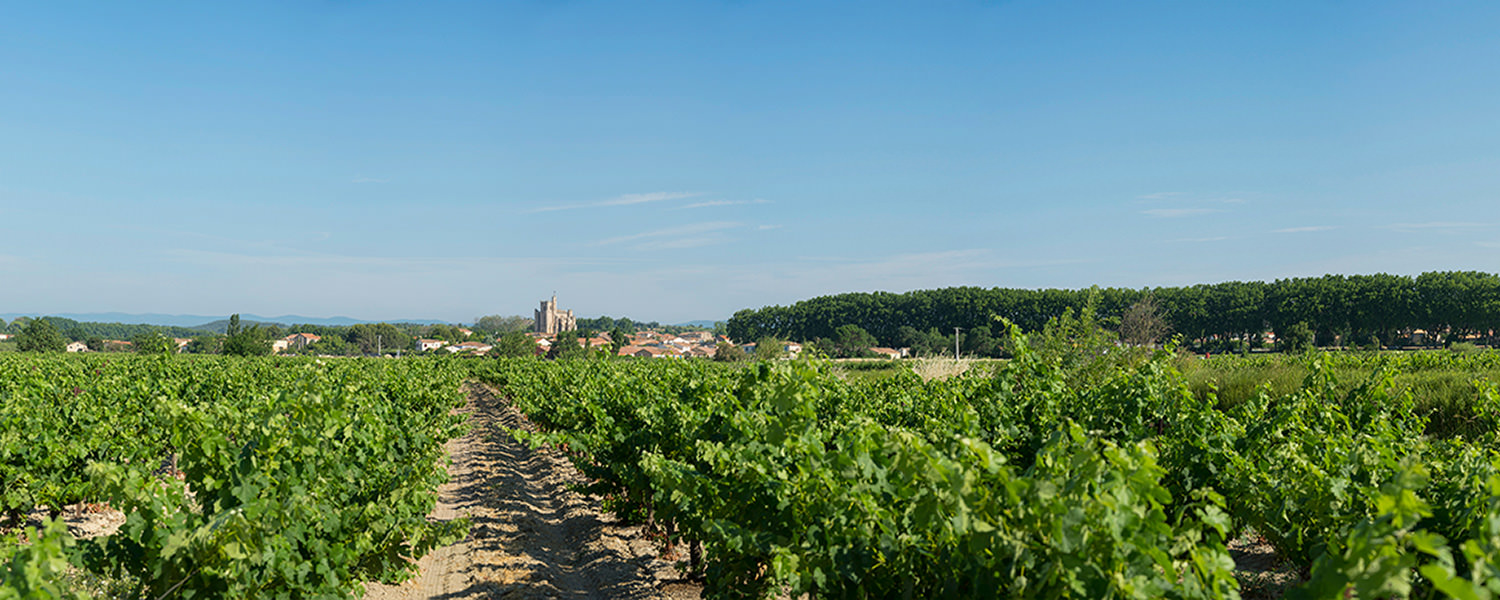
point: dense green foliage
(307, 478)
(1355, 308)
(83, 330)
(1447, 388)
(1077, 469)
(245, 341)
(40, 336)
(36, 570)
(514, 345)
(607, 323)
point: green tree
(153, 343)
(330, 345)
(447, 333)
(40, 336)
(617, 340)
(244, 341)
(1143, 324)
(769, 348)
(497, 324)
(730, 352)
(852, 340)
(981, 341)
(565, 345)
(1295, 338)
(206, 344)
(378, 338)
(514, 345)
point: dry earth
(531, 536)
(1262, 574)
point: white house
(78, 347)
(475, 347)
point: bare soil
(531, 536)
(83, 520)
(1263, 575)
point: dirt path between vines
(531, 536)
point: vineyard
(1075, 469)
(1067, 473)
(238, 478)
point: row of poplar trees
(1346, 309)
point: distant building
(549, 320)
(424, 345)
(474, 347)
(78, 347)
(302, 340)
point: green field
(306, 478)
(1071, 470)
(1059, 474)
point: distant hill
(207, 322)
(222, 325)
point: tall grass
(1447, 390)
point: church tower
(550, 321)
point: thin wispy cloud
(769, 227)
(695, 230)
(625, 200)
(1304, 229)
(1435, 226)
(712, 203)
(1174, 213)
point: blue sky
(682, 160)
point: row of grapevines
(299, 478)
(794, 480)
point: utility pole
(955, 342)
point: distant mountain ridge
(208, 322)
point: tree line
(52, 334)
(1379, 309)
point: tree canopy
(245, 341)
(514, 344)
(40, 335)
(1451, 304)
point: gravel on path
(531, 536)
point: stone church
(549, 320)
